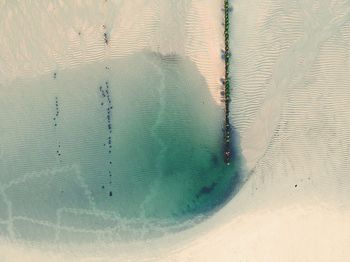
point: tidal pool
(119, 149)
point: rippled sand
(290, 108)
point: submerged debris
(105, 35)
(55, 122)
(107, 105)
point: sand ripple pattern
(65, 34)
(291, 96)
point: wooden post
(227, 88)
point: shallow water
(105, 152)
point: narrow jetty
(227, 88)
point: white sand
(44, 36)
(291, 104)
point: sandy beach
(73, 35)
(290, 109)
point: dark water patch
(141, 143)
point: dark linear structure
(227, 88)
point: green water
(109, 147)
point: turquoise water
(111, 148)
